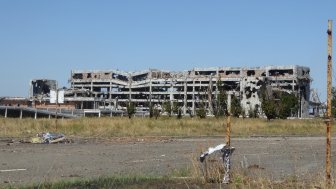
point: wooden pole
(228, 121)
(228, 129)
(329, 117)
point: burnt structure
(42, 87)
(113, 89)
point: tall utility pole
(329, 117)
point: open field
(146, 152)
(164, 126)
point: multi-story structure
(113, 89)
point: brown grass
(164, 126)
(145, 182)
(242, 179)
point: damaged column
(210, 95)
(185, 105)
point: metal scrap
(48, 138)
(226, 152)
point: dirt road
(273, 157)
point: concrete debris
(48, 138)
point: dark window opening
(250, 73)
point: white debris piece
(212, 150)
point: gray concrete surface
(271, 157)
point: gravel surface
(272, 157)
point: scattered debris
(211, 150)
(48, 138)
(255, 166)
(211, 171)
(7, 141)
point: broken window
(140, 77)
(232, 72)
(120, 77)
(277, 73)
(205, 72)
(250, 73)
(77, 76)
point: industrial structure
(111, 90)
(188, 89)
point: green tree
(288, 103)
(175, 107)
(167, 107)
(221, 103)
(236, 108)
(179, 113)
(201, 111)
(269, 108)
(279, 105)
(268, 104)
(130, 109)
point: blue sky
(48, 39)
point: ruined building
(113, 89)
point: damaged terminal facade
(114, 89)
(110, 91)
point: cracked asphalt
(272, 157)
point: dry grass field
(163, 126)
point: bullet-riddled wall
(188, 89)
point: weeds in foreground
(239, 181)
(211, 171)
(101, 182)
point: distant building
(110, 91)
(114, 89)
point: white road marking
(11, 170)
